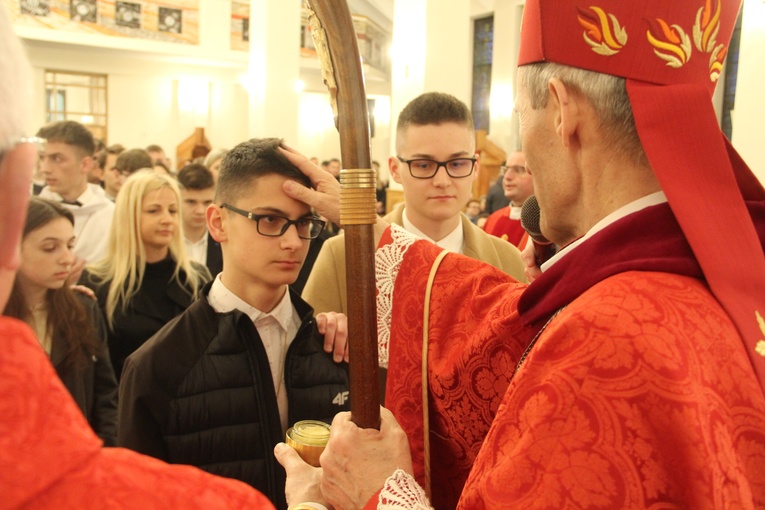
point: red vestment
(639, 393)
(50, 457)
(500, 224)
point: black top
(92, 385)
(160, 298)
(495, 198)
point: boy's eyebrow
(460, 154)
(276, 210)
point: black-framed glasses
(516, 169)
(456, 168)
(273, 225)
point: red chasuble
(637, 394)
(50, 457)
(475, 341)
(500, 225)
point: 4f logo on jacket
(340, 398)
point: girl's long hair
(125, 263)
(67, 317)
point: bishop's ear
(566, 110)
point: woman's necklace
(38, 307)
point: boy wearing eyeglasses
(517, 185)
(219, 385)
(436, 165)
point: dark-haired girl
(69, 325)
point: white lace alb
(388, 261)
(402, 491)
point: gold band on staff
(358, 196)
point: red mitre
(671, 53)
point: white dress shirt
(197, 251)
(452, 242)
(277, 330)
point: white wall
(749, 109)
(143, 95)
(159, 92)
(504, 121)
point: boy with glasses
(436, 165)
(218, 386)
(518, 185)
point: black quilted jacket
(200, 392)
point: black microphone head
(530, 217)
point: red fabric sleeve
(372, 503)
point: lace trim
(402, 491)
(388, 261)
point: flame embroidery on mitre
(706, 27)
(716, 61)
(598, 31)
(705, 31)
(760, 347)
(670, 43)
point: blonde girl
(146, 278)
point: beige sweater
(325, 288)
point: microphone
(530, 217)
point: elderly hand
(302, 479)
(334, 327)
(357, 461)
(325, 197)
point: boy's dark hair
(115, 149)
(71, 133)
(163, 166)
(434, 108)
(132, 160)
(251, 160)
(154, 148)
(196, 177)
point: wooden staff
(335, 40)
